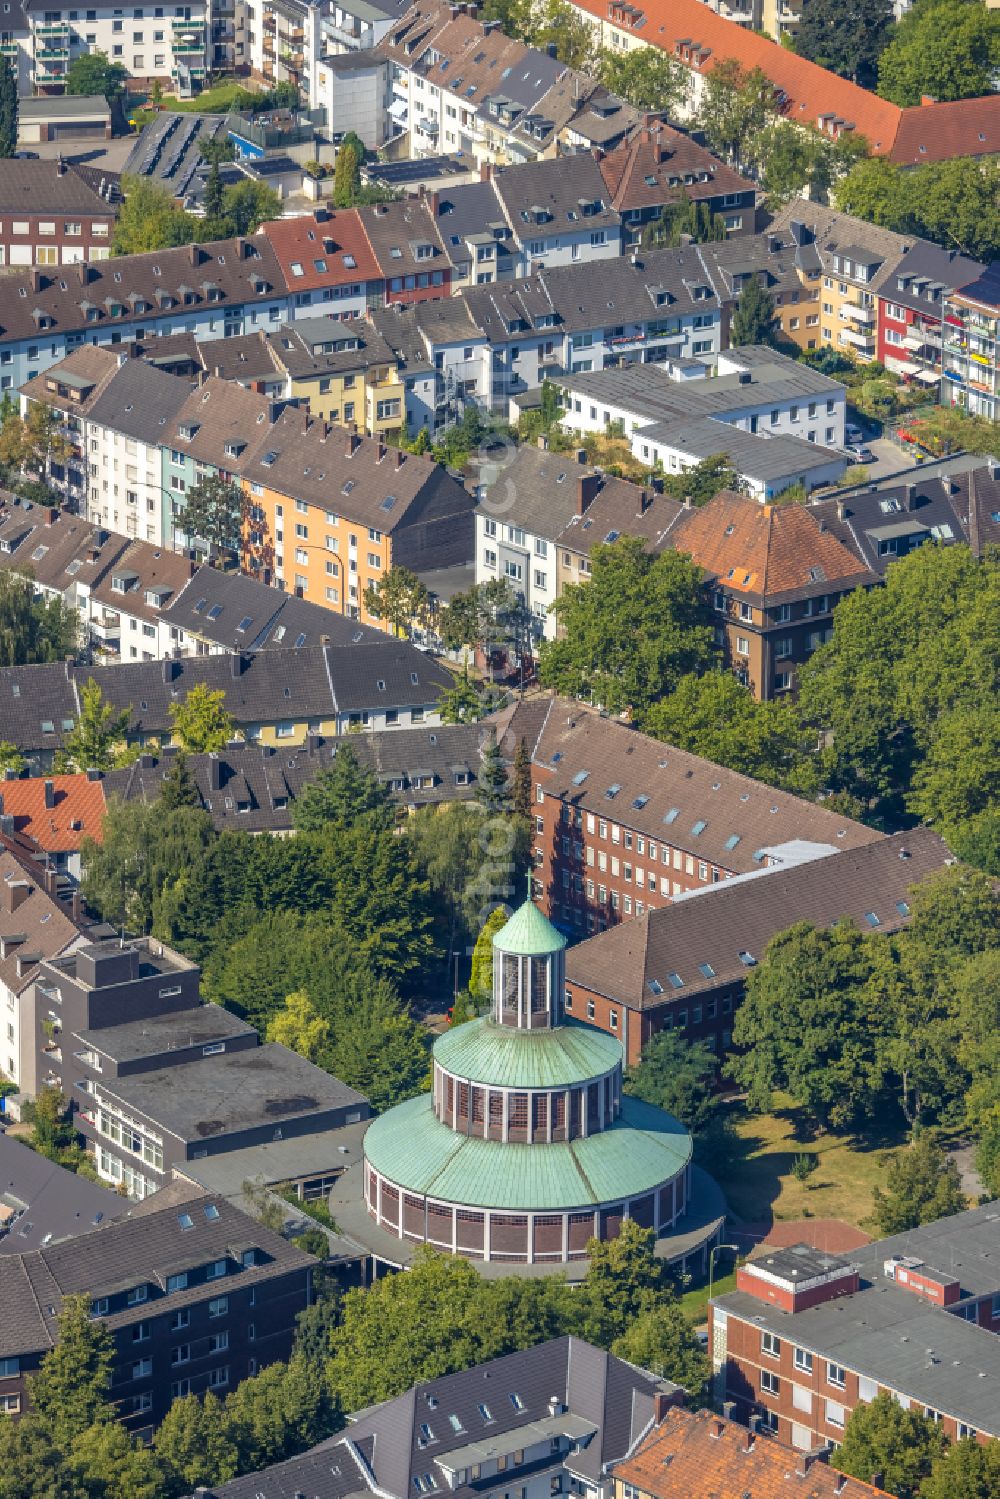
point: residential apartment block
(806, 1337)
(171, 43)
(779, 422)
(542, 513)
(970, 357)
(195, 1295)
(624, 823)
(549, 1420)
(911, 312)
(658, 166)
(54, 213)
(773, 575)
(684, 965)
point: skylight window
(872, 918)
(654, 986)
(612, 791)
(485, 1412)
(185, 1220)
(517, 1402)
(215, 611)
(675, 981)
(199, 606)
(672, 815)
(211, 1212)
(580, 777)
(640, 802)
(456, 1424)
(732, 840)
(699, 827)
(748, 960)
(903, 907)
(300, 640)
(706, 970)
(244, 624)
(388, 502)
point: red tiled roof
(700, 38)
(329, 238)
(936, 132)
(637, 173)
(695, 1455)
(77, 813)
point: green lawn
(217, 100)
(695, 1302)
(759, 1183)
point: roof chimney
(60, 166)
(587, 489)
(909, 496)
(50, 795)
(169, 669)
(237, 662)
(214, 773)
(353, 443)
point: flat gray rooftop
(240, 1090)
(200, 1026)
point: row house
(195, 1296)
(577, 115)
(779, 422)
(684, 966)
(332, 512)
(806, 1337)
(542, 513)
(327, 264)
(55, 213)
(56, 815)
(456, 84)
(911, 311)
(171, 44)
(971, 352)
(658, 167)
(882, 523)
(698, 36)
(624, 822)
(274, 696)
(774, 575)
(207, 291)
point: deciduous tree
(344, 793)
(848, 39)
(298, 1027)
(8, 109)
(200, 723)
(662, 1340)
(69, 1391)
(399, 598)
(214, 511)
(901, 1445)
(98, 731)
(948, 49)
(965, 1468)
(149, 219)
(631, 632)
(922, 1185)
(647, 77)
(735, 106)
(195, 1445)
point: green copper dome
(499, 1055)
(528, 933)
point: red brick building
(52, 213)
(684, 966)
(807, 1336)
(623, 823)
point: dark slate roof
(946, 508)
(57, 547)
(136, 1250)
(599, 1394)
(701, 938)
(175, 1030)
(48, 1203)
(46, 186)
(571, 192)
(37, 705)
(542, 492)
(140, 401)
(925, 268)
(395, 230)
(384, 673)
(215, 604)
(238, 1090)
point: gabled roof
(659, 164)
(32, 187)
(811, 96)
(239, 612)
(59, 549)
(332, 249)
(675, 797)
(766, 552)
(706, 940)
(152, 577)
(77, 810)
(45, 1202)
(696, 1452)
(396, 231)
(33, 924)
(570, 193)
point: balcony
(858, 314)
(863, 342)
(268, 47)
(52, 53)
(9, 49)
(186, 45)
(53, 28)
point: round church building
(526, 1148)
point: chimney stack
(587, 490)
(909, 496)
(236, 663)
(50, 796)
(353, 443)
(214, 773)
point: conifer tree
(493, 786)
(8, 109)
(179, 786)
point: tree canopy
(754, 319)
(882, 1437)
(630, 633)
(8, 108)
(32, 629)
(647, 77)
(847, 38)
(955, 203)
(200, 723)
(948, 49)
(922, 1185)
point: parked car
(859, 452)
(853, 434)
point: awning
(399, 110)
(905, 367)
(929, 377)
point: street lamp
(711, 1261)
